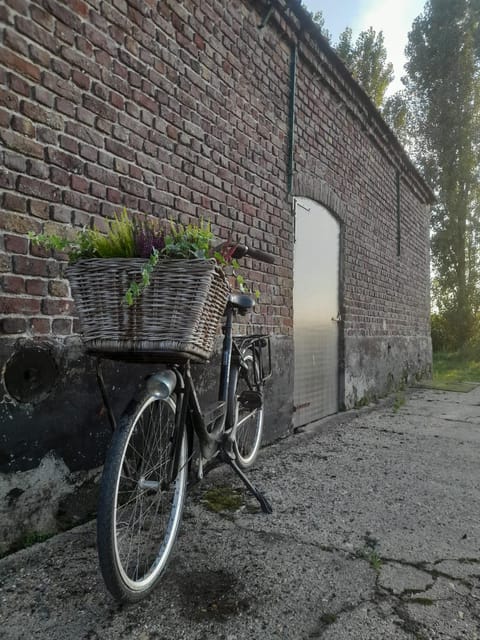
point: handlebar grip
(258, 254)
(241, 250)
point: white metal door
(315, 311)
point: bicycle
(144, 482)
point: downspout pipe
(291, 116)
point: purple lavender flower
(147, 238)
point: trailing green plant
(225, 258)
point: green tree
(319, 20)
(444, 85)
(396, 113)
(367, 60)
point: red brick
(8, 99)
(62, 326)
(59, 176)
(30, 266)
(14, 41)
(38, 188)
(36, 287)
(13, 284)
(79, 183)
(61, 87)
(53, 307)
(14, 202)
(58, 288)
(81, 79)
(16, 305)
(18, 224)
(21, 144)
(19, 85)
(13, 325)
(36, 33)
(35, 112)
(19, 64)
(39, 209)
(16, 244)
(67, 107)
(40, 325)
(64, 160)
(43, 18)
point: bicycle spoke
(148, 503)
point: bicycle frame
(177, 378)
(188, 404)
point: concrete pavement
(375, 535)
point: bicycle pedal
(251, 399)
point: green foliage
(371, 556)
(367, 61)
(190, 241)
(396, 113)
(225, 259)
(444, 88)
(118, 242)
(27, 540)
(135, 289)
(375, 560)
(442, 339)
(319, 20)
(127, 238)
(451, 367)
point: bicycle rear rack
(261, 350)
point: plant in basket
(147, 285)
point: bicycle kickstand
(264, 504)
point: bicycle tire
(140, 507)
(248, 424)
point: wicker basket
(176, 316)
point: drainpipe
(291, 116)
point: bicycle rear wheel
(142, 495)
(248, 412)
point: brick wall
(146, 105)
(181, 109)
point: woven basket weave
(177, 313)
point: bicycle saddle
(241, 302)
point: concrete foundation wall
(53, 447)
(376, 366)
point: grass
(27, 540)
(375, 560)
(456, 368)
(399, 400)
(224, 498)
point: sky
(393, 17)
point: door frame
(340, 292)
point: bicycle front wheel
(248, 414)
(142, 495)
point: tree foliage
(319, 20)
(366, 58)
(397, 114)
(443, 66)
